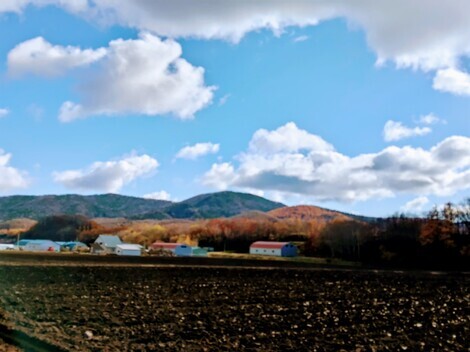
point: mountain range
(205, 206)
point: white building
(41, 246)
(128, 249)
(6, 247)
(276, 249)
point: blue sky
(303, 113)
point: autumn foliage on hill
(308, 213)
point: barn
(179, 249)
(277, 249)
(108, 242)
(129, 249)
(41, 246)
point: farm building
(277, 249)
(98, 249)
(41, 246)
(74, 246)
(198, 252)
(129, 249)
(6, 247)
(179, 249)
(23, 243)
(108, 242)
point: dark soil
(235, 309)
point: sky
(362, 107)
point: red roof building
(277, 249)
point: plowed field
(132, 308)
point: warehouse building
(179, 249)
(134, 250)
(41, 246)
(276, 249)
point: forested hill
(214, 205)
(105, 205)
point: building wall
(130, 252)
(183, 251)
(41, 247)
(266, 251)
(289, 250)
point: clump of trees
(440, 240)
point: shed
(108, 242)
(42, 246)
(198, 252)
(179, 249)
(75, 246)
(129, 249)
(23, 243)
(277, 249)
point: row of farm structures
(112, 245)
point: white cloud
(327, 175)
(452, 81)
(430, 119)
(4, 112)
(39, 57)
(107, 176)
(197, 150)
(423, 34)
(160, 195)
(287, 138)
(76, 6)
(394, 131)
(300, 38)
(224, 99)
(143, 76)
(415, 205)
(10, 177)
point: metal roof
(108, 240)
(269, 245)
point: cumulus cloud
(10, 177)
(394, 131)
(288, 138)
(424, 34)
(4, 112)
(75, 6)
(107, 176)
(197, 150)
(143, 76)
(327, 175)
(160, 195)
(39, 57)
(415, 205)
(452, 81)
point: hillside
(215, 205)
(105, 205)
(308, 213)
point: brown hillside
(308, 213)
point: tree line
(441, 239)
